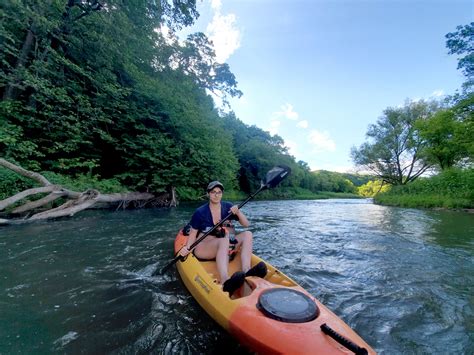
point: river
(402, 278)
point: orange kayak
(273, 315)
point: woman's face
(215, 195)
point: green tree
(394, 152)
(461, 43)
(443, 134)
(100, 94)
(372, 188)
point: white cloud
(169, 36)
(302, 124)
(287, 112)
(223, 32)
(321, 141)
(339, 168)
(274, 126)
(216, 5)
(292, 147)
(437, 93)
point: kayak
(271, 315)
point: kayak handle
(343, 341)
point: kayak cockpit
(273, 277)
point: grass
(453, 188)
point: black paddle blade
(276, 175)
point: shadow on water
(402, 278)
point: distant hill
(356, 179)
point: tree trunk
(11, 90)
(76, 201)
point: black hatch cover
(287, 305)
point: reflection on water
(402, 278)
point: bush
(83, 182)
(12, 183)
(453, 188)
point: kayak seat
(231, 257)
(201, 259)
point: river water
(402, 278)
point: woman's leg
(245, 240)
(218, 248)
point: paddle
(272, 179)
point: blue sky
(317, 73)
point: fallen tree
(41, 209)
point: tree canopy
(97, 89)
(461, 43)
(395, 152)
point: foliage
(91, 88)
(461, 43)
(11, 183)
(84, 182)
(452, 188)
(372, 188)
(394, 152)
(332, 181)
(445, 140)
(357, 179)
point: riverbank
(452, 189)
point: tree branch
(77, 201)
(31, 205)
(21, 195)
(29, 174)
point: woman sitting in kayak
(217, 247)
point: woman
(217, 246)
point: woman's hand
(184, 251)
(242, 219)
(235, 210)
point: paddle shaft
(202, 237)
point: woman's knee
(223, 243)
(247, 235)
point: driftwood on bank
(76, 201)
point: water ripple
(402, 278)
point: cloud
(321, 141)
(167, 34)
(216, 5)
(223, 33)
(337, 168)
(292, 147)
(302, 124)
(274, 126)
(437, 93)
(287, 112)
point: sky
(319, 72)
